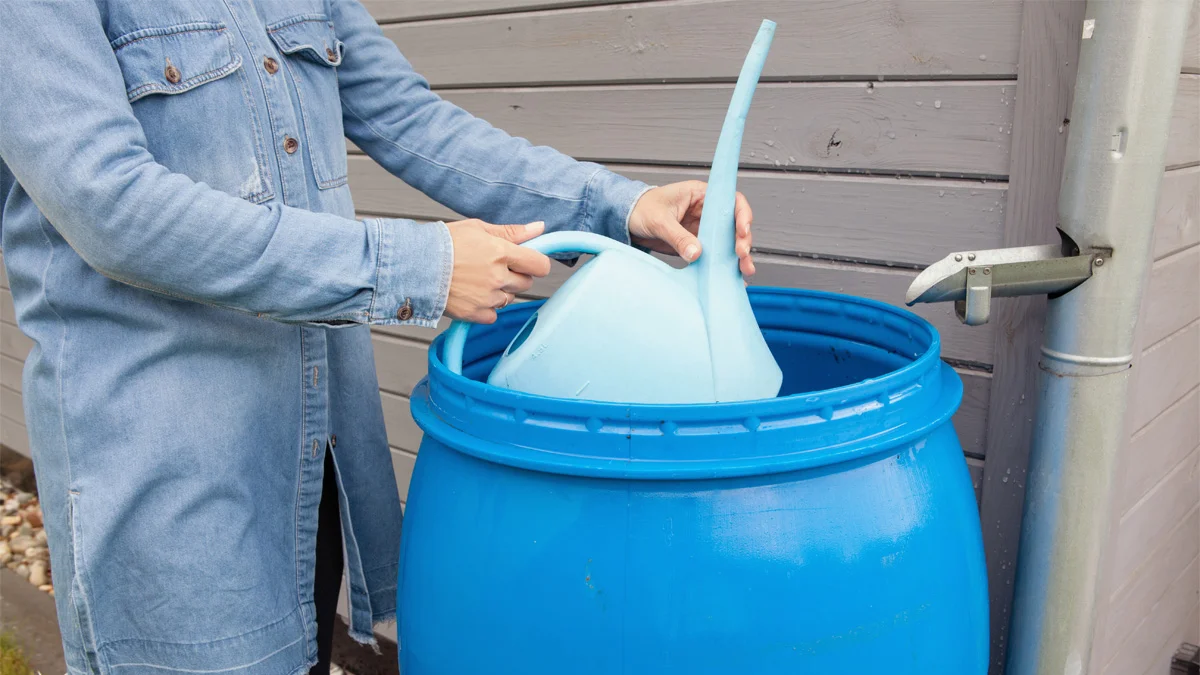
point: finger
(527, 261)
(747, 266)
(499, 299)
(517, 234)
(696, 210)
(742, 246)
(683, 242)
(484, 316)
(516, 283)
(743, 216)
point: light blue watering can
(629, 328)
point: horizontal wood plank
(1172, 610)
(1145, 527)
(951, 128)
(13, 342)
(399, 363)
(1183, 146)
(14, 436)
(391, 11)
(10, 372)
(704, 40)
(909, 221)
(1157, 447)
(975, 466)
(402, 464)
(1130, 602)
(1172, 295)
(1166, 372)
(970, 422)
(10, 404)
(1177, 225)
(7, 313)
(403, 432)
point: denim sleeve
(70, 138)
(457, 159)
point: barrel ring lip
(634, 439)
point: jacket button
(290, 145)
(330, 54)
(333, 441)
(405, 312)
(270, 65)
(172, 74)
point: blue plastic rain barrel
(830, 530)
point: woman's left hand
(666, 219)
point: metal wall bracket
(971, 279)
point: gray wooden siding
(1149, 592)
(883, 136)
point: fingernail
(536, 223)
(691, 252)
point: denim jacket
(182, 250)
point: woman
(179, 237)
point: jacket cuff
(611, 200)
(413, 270)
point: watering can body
(628, 327)
(604, 315)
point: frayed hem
(369, 638)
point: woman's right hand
(490, 267)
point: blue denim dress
(182, 249)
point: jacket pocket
(312, 54)
(188, 89)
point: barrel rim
(656, 441)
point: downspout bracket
(971, 279)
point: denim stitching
(76, 553)
(187, 85)
(300, 483)
(81, 580)
(259, 152)
(144, 33)
(447, 245)
(274, 127)
(378, 266)
(310, 134)
(299, 18)
(189, 670)
(587, 202)
(349, 528)
(264, 175)
(205, 643)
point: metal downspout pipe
(1125, 89)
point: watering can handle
(555, 242)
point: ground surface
(28, 614)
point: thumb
(517, 234)
(685, 243)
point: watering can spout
(738, 351)
(716, 222)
